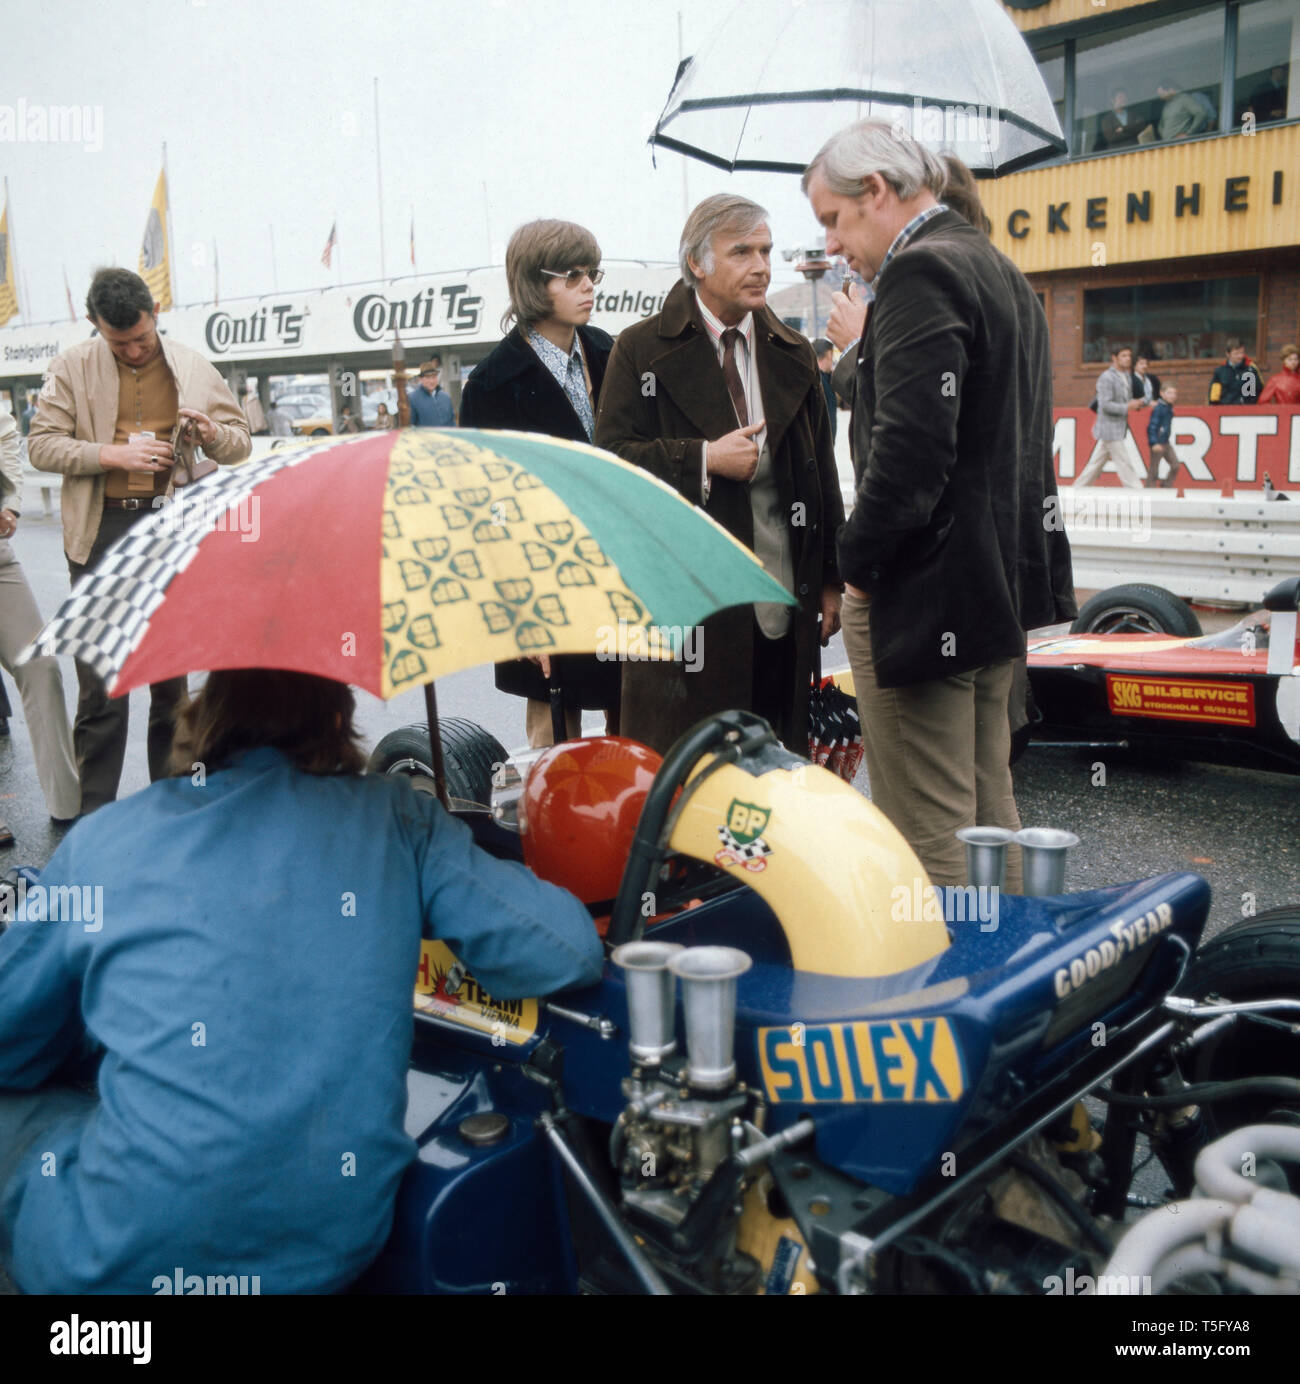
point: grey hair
(724, 211)
(873, 146)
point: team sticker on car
(446, 990)
(1181, 699)
(742, 837)
(885, 1060)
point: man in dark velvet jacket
(545, 377)
(954, 547)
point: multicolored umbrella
(389, 559)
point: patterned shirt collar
(553, 357)
(715, 327)
(905, 235)
(569, 375)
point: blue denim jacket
(246, 952)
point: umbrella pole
(435, 742)
(556, 691)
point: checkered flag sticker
(757, 849)
(107, 615)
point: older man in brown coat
(717, 397)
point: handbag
(192, 462)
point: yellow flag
(155, 268)
(8, 284)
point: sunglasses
(573, 277)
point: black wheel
(320, 432)
(470, 756)
(1257, 958)
(1137, 609)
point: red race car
(1132, 670)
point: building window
(1268, 50)
(1187, 321)
(1051, 63)
(1151, 82)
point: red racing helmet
(579, 811)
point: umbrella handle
(557, 709)
(435, 743)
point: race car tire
(470, 757)
(1137, 608)
(1257, 958)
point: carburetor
(691, 1136)
(683, 1118)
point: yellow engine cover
(850, 894)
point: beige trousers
(40, 684)
(537, 724)
(1125, 466)
(936, 754)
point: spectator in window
(1146, 386)
(1269, 102)
(1236, 381)
(1284, 387)
(1118, 129)
(1185, 113)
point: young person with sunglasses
(545, 377)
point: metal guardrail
(1212, 549)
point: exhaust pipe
(651, 998)
(708, 976)
(1044, 850)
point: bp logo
(742, 836)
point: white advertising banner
(450, 310)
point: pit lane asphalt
(1237, 827)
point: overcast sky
(491, 113)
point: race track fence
(1212, 549)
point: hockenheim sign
(447, 311)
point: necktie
(732, 375)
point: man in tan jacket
(104, 420)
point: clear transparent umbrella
(777, 78)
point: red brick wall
(1279, 318)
